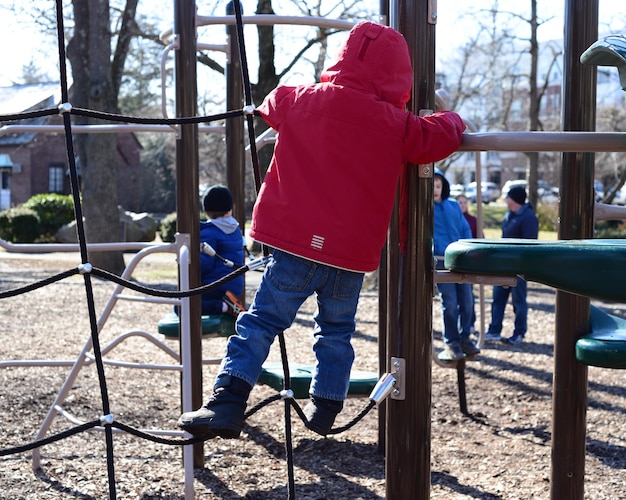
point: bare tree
(498, 77)
(97, 75)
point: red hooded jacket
(342, 143)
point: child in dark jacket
(221, 232)
(519, 222)
(324, 207)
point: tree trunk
(268, 79)
(533, 158)
(90, 56)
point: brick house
(36, 162)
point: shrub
(492, 215)
(548, 215)
(610, 229)
(54, 211)
(19, 225)
(168, 228)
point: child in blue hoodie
(456, 298)
(221, 232)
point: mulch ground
(501, 450)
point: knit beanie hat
(517, 194)
(218, 199)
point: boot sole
(205, 431)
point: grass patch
(492, 215)
(496, 233)
(157, 274)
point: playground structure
(414, 270)
(576, 216)
(413, 327)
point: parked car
(456, 190)
(511, 184)
(489, 190)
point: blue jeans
(457, 305)
(287, 282)
(520, 307)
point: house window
(6, 180)
(55, 177)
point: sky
(453, 26)
(22, 44)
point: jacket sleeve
(207, 262)
(432, 138)
(272, 109)
(530, 226)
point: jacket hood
(445, 188)
(374, 59)
(227, 224)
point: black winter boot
(321, 413)
(223, 414)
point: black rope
(29, 114)
(80, 227)
(39, 284)
(355, 420)
(173, 442)
(371, 404)
(247, 89)
(159, 121)
(126, 283)
(89, 113)
(257, 181)
(169, 293)
(288, 440)
(50, 439)
(245, 74)
(156, 439)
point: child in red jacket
(324, 207)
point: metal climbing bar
(545, 141)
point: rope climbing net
(87, 271)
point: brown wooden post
(411, 287)
(383, 284)
(235, 155)
(187, 183)
(569, 403)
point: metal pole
(569, 394)
(187, 184)
(408, 441)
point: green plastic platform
(605, 345)
(361, 383)
(216, 324)
(608, 51)
(592, 268)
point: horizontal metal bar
(545, 141)
(102, 129)
(271, 19)
(479, 279)
(74, 247)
